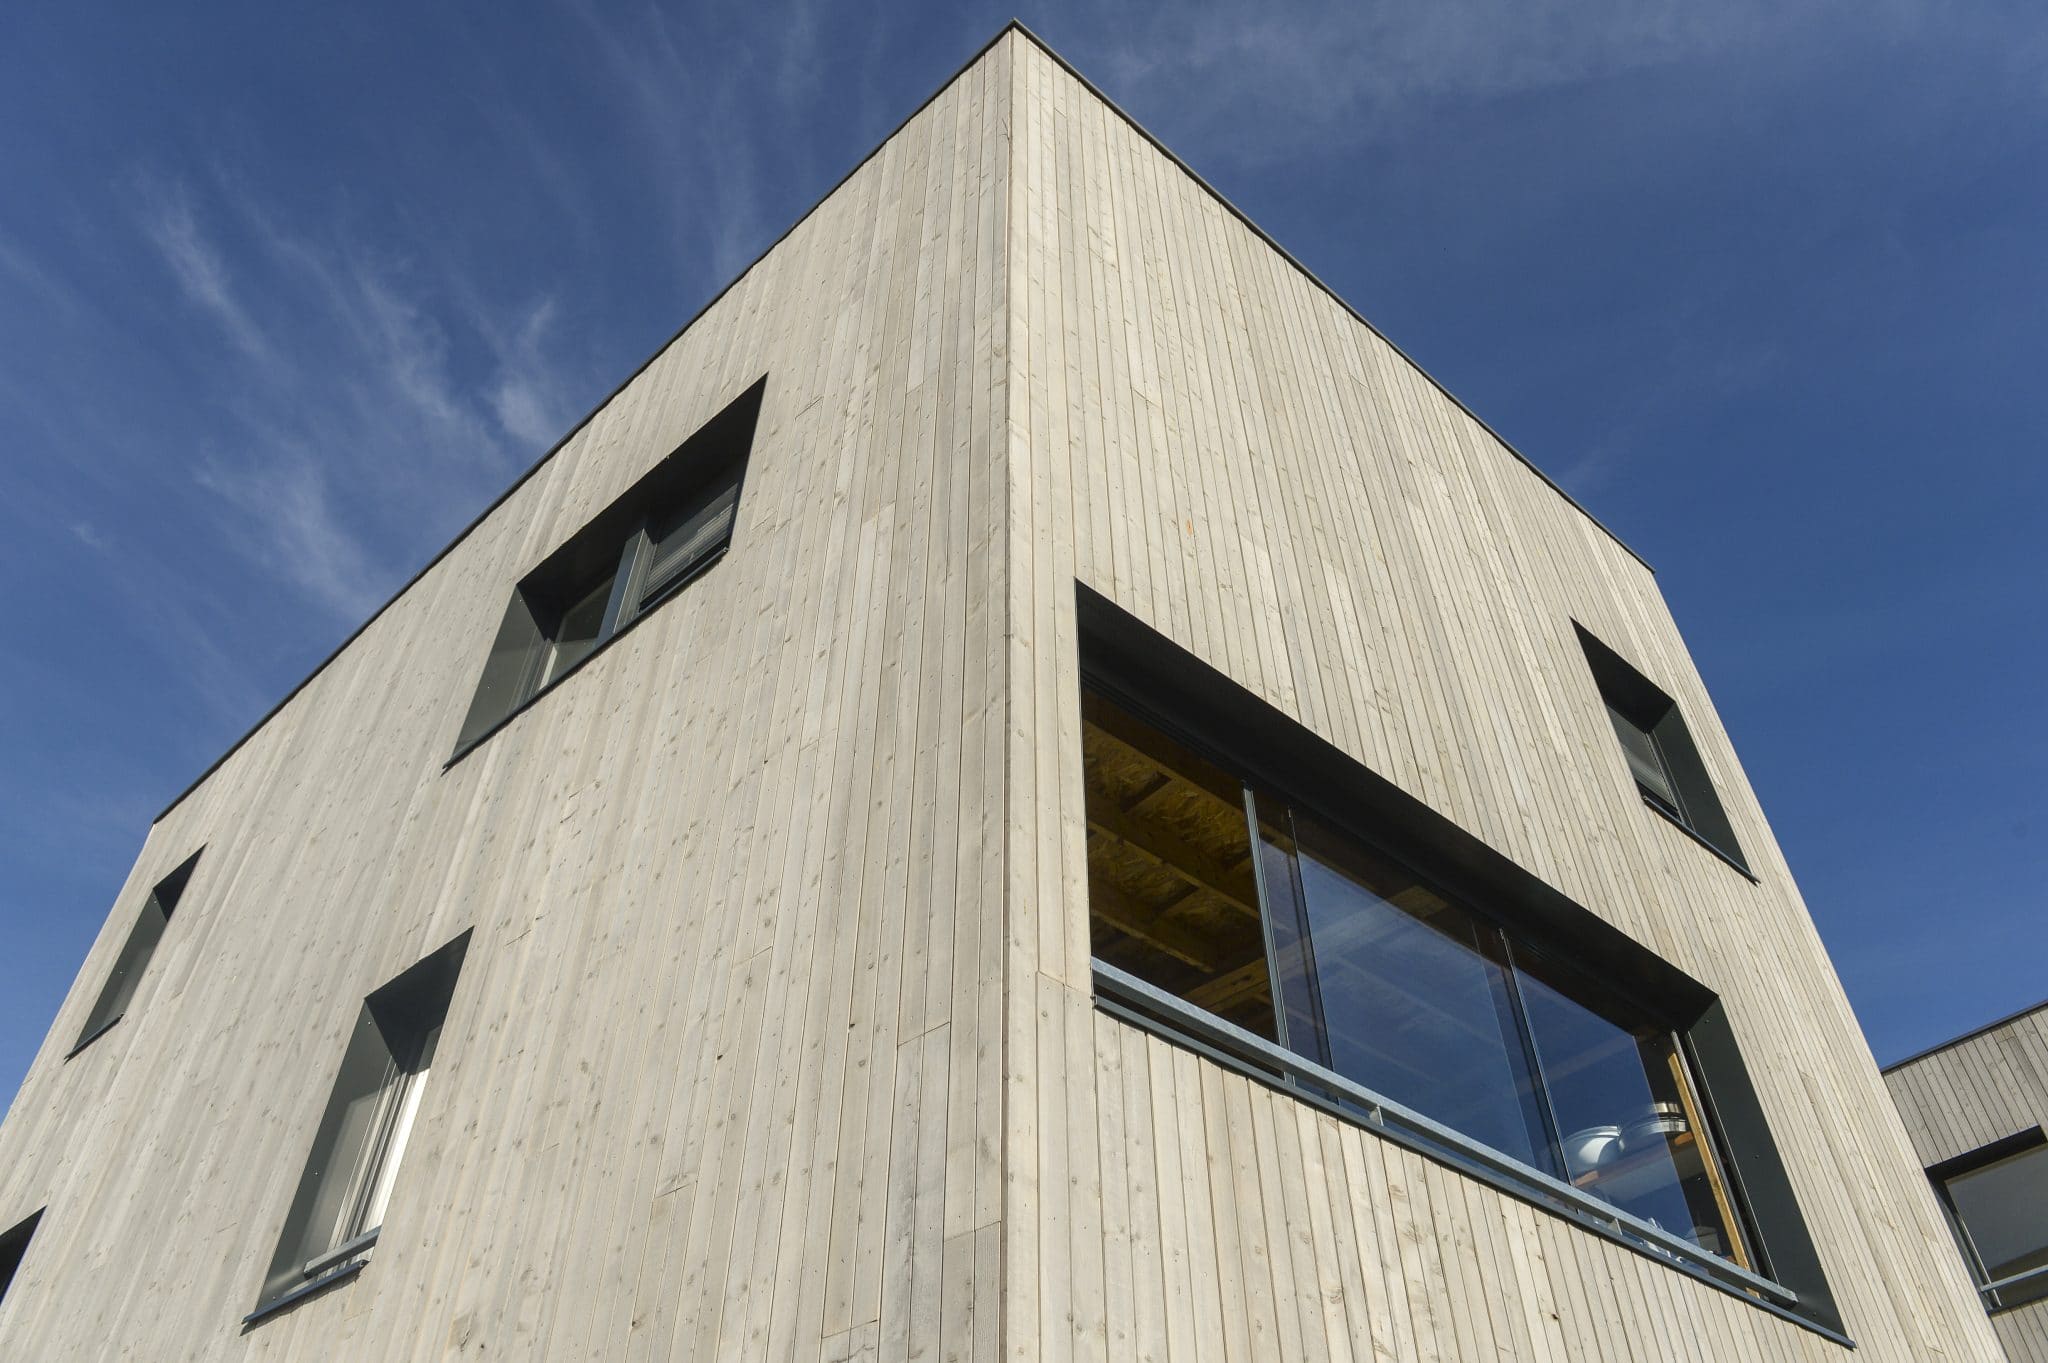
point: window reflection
(1415, 999)
(1631, 1130)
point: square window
(649, 544)
(1659, 751)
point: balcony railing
(1148, 1006)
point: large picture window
(1389, 982)
(1258, 895)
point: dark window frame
(615, 552)
(1638, 709)
(145, 934)
(1163, 685)
(1970, 1162)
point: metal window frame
(516, 670)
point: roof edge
(1335, 297)
(1970, 1035)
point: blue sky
(288, 293)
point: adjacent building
(1029, 787)
(1976, 1108)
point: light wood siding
(775, 1038)
(1203, 435)
(720, 1079)
(1966, 1095)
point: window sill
(1133, 1001)
(1682, 826)
(669, 593)
(94, 1035)
(331, 1278)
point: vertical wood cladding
(775, 1038)
(721, 1077)
(1962, 1097)
(1206, 437)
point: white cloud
(200, 271)
(293, 526)
(379, 407)
(1292, 78)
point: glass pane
(1172, 894)
(581, 627)
(681, 544)
(2004, 1206)
(1644, 761)
(1293, 961)
(1415, 999)
(385, 1165)
(342, 1158)
(1630, 1122)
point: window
(1660, 752)
(666, 530)
(119, 989)
(1389, 981)
(1258, 895)
(1997, 1202)
(339, 1208)
(13, 1246)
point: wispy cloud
(200, 272)
(1291, 77)
(691, 120)
(295, 526)
(380, 404)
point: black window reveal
(659, 536)
(1997, 1203)
(1258, 895)
(1661, 755)
(13, 1247)
(339, 1208)
(122, 981)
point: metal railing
(1989, 1291)
(1149, 1005)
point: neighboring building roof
(1970, 1035)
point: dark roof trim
(1971, 1035)
(1015, 26)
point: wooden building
(1028, 787)
(1976, 1108)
